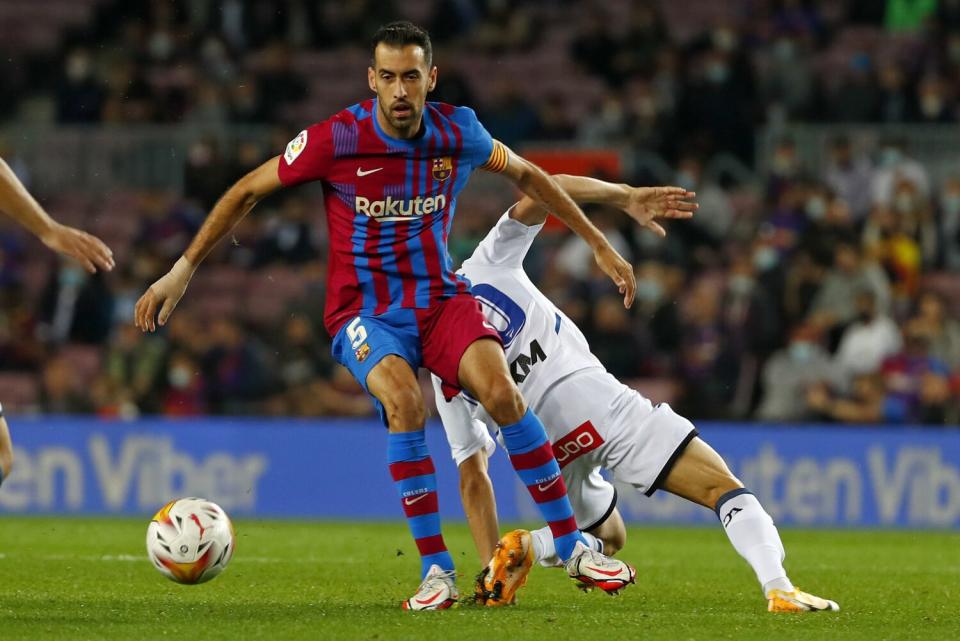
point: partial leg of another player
(701, 475)
(483, 372)
(608, 537)
(393, 383)
(6, 448)
(480, 504)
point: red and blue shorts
(434, 338)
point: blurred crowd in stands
(664, 76)
(824, 292)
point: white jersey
(542, 345)
(591, 418)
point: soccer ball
(190, 540)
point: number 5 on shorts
(356, 332)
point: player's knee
(473, 476)
(503, 401)
(6, 462)
(720, 485)
(473, 467)
(613, 533)
(404, 409)
(614, 540)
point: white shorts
(594, 421)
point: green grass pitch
(71, 578)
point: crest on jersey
(363, 352)
(295, 147)
(442, 168)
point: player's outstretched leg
(700, 475)
(412, 470)
(6, 448)
(755, 537)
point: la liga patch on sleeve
(295, 147)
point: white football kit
(591, 418)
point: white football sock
(755, 537)
(545, 552)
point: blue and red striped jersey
(390, 204)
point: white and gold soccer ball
(190, 540)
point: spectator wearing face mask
(657, 316)
(749, 312)
(788, 374)
(784, 169)
(828, 224)
(933, 104)
(896, 166)
(712, 228)
(186, 388)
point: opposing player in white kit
(594, 420)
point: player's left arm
(643, 204)
(16, 202)
(544, 190)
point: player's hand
(618, 269)
(165, 294)
(646, 204)
(85, 248)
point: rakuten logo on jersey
(396, 209)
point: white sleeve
(466, 434)
(506, 245)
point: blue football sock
(532, 457)
(412, 470)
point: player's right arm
(229, 210)
(17, 203)
(306, 158)
(643, 204)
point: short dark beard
(402, 129)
